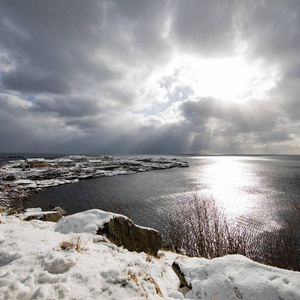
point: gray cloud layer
(92, 76)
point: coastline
(22, 176)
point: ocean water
(256, 191)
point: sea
(256, 192)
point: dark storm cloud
(23, 131)
(204, 27)
(86, 66)
(65, 107)
(53, 50)
(71, 46)
(271, 29)
(34, 83)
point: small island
(32, 174)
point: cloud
(66, 107)
(129, 76)
(270, 29)
(24, 131)
(204, 27)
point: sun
(230, 79)
(224, 79)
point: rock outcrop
(48, 216)
(123, 232)
(119, 229)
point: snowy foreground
(34, 264)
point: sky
(150, 77)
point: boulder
(48, 216)
(123, 232)
(119, 229)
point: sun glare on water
(228, 179)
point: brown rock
(123, 232)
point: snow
(33, 265)
(237, 277)
(88, 221)
(41, 159)
(35, 212)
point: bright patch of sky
(229, 79)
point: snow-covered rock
(117, 228)
(237, 277)
(88, 221)
(37, 213)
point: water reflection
(233, 183)
(256, 191)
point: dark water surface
(255, 190)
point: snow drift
(33, 265)
(237, 277)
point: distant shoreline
(21, 176)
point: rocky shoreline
(19, 177)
